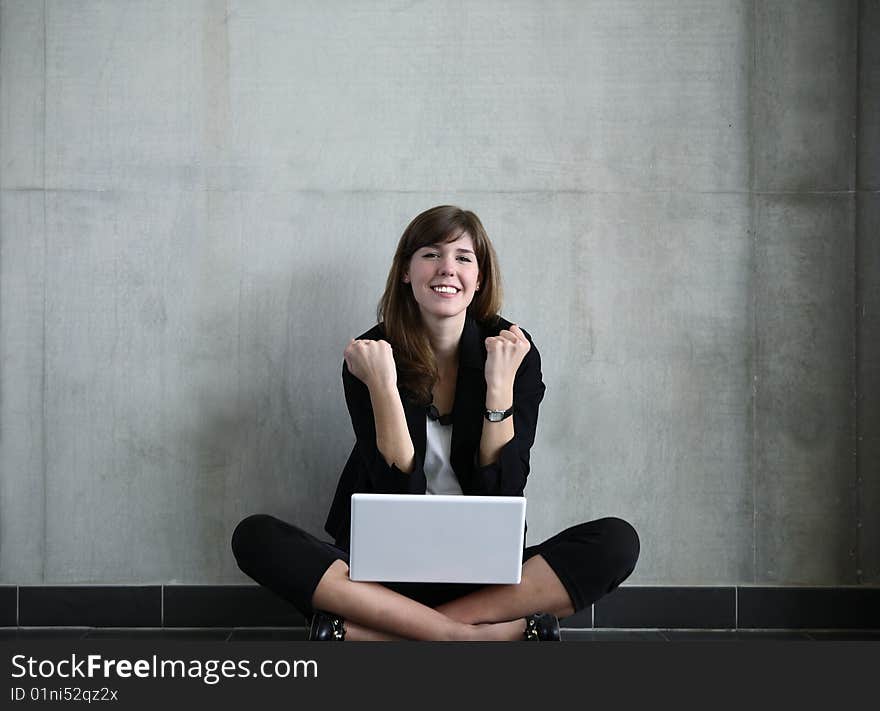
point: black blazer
(366, 470)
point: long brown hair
(398, 310)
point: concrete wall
(867, 489)
(684, 196)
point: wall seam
(43, 389)
(753, 232)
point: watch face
(495, 416)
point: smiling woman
(443, 395)
(442, 246)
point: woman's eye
(433, 255)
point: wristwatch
(498, 415)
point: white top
(438, 471)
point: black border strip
(8, 606)
(628, 607)
(89, 605)
(668, 608)
(809, 608)
(227, 606)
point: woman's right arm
(392, 434)
(369, 379)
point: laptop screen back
(437, 538)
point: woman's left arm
(513, 378)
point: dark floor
(299, 633)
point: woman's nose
(447, 267)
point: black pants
(590, 559)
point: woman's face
(451, 264)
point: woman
(443, 396)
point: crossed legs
(597, 555)
(373, 612)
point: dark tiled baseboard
(90, 605)
(818, 608)
(227, 606)
(8, 605)
(666, 607)
(629, 607)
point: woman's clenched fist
(372, 362)
(504, 353)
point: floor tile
(268, 634)
(579, 620)
(124, 633)
(736, 635)
(843, 635)
(301, 633)
(212, 633)
(784, 635)
(610, 635)
(197, 633)
(43, 632)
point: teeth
(445, 289)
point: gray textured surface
(805, 95)
(867, 492)
(869, 97)
(189, 188)
(805, 399)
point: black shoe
(542, 627)
(326, 628)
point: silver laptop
(437, 538)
